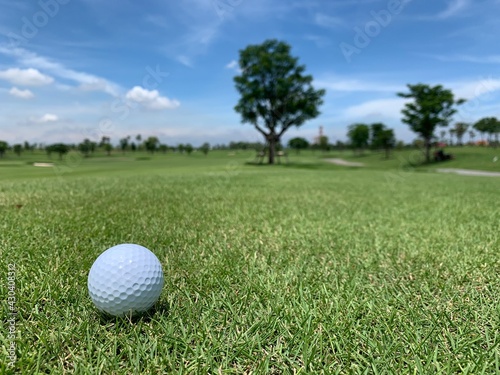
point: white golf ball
(125, 279)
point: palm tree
(460, 130)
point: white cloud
(320, 41)
(25, 77)
(377, 109)
(491, 59)
(474, 89)
(184, 60)
(327, 21)
(85, 80)
(352, 85)
(48, 117)
(23, 94)
(234, 65)
(150, 99)
(454, 8)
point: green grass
(299, 268)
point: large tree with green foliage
(275, 93)
(3, 147)
(151, 144)
(18, 149)
(298, 143)
(430, 107)
(359, 135)
(382, 137)
(87, 147)
(59, 148)
(188, 147)
(124, 143)
(488, 125)
(205, 148)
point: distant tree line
(360, 137)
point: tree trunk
(272, 148)
(427, 145)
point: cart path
(463, 172)
(468, 172)
(345, 163)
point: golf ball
(125, 279)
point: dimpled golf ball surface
(125, 279)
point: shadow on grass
(159, 309)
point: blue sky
(75, 69)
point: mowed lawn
(305, 268)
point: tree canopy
(359, 135)
(430, 107)
(151, 144)
(59, 148)
(298, 143)
(275, 93)
(3, 147)
(382, 138)
(488, 125)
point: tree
(151, 144)
(275, 94)
(359, 135)
(59, 148)
(382, 138)
(400, 145)
(323, 143)
(28, 147)
(163, 148)
(106, 145)
(85, 147)
(108, 148)
(431, 107)
(124, 143)
(298, 144)
(375, 130)
(490, 126)
(496, 131)
(205, 147)
(339, 145)
(138, 139)
(387, 141)
(480, 126)
(188, 148)
(3, 147)
(17, 148)
(460, 130)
